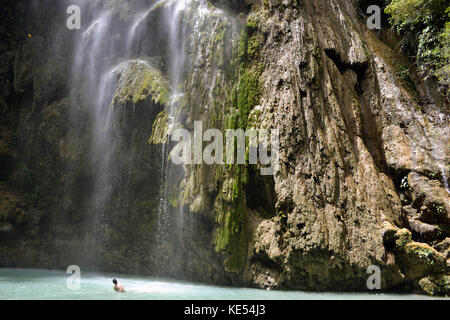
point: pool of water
(34, 284)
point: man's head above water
(118, 286)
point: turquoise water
(33, 284)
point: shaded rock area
(363, 167)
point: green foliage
(416, 14)
(426, 34)
(403, 74)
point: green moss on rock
(138, 81)
(419, 259)
(249, 93)
(403, 237)
(160, 129)
(435, 285)
(232, 216)
(250, 71)
(233, 225)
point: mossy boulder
(138, 81)
(421, 264)
(435, 285)
(443, 247)
(418, 259)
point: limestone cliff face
(363, 170)
(330, 90)
(353, 140)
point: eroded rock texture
(350, 132)
(354, 146)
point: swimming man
(118, 286)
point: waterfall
(176, 60)
(104, 51)
(176, 47)
(93, 84)
(154, 36)
(137, 22)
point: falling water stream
(176, 65)
(100, 57)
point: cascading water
(94, 83)
(177, 38)
(134, 31)
(176, 60)
(116, 59)
(105, 50)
